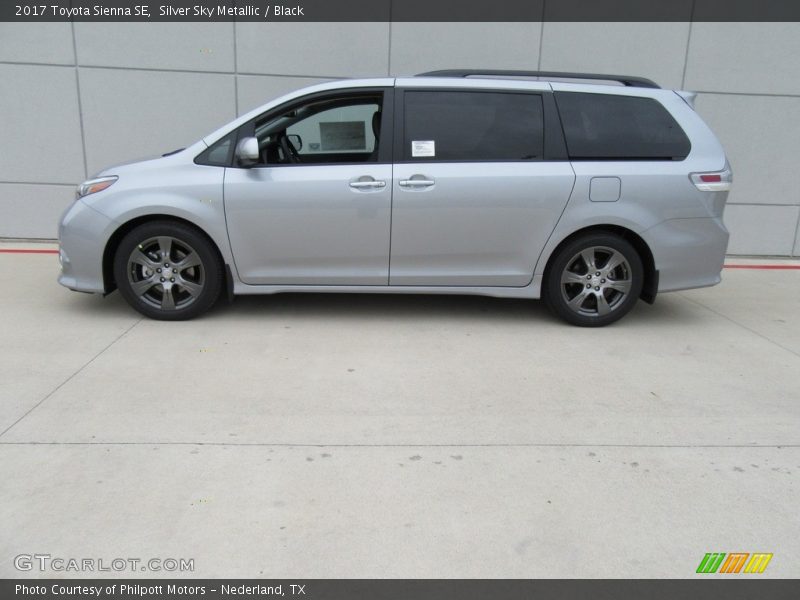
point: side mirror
(247, 153)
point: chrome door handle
(416, 182)
(367, 184)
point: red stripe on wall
(766, 267)
(26, 251)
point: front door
(316, 209)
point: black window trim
(555, 148)
(247, 129)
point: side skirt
(532, 290)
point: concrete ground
(380, 436)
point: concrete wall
(77, 97)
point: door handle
(416, 182)
(367, 184)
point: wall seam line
(794, 252)
(750, 94)
(391, 26)
(688, 44)
(165, 70)
(328, 76)
(80, 102)
(541, 37)
(235, 72)
(3, 182)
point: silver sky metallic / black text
(143, 11)
(248, 10)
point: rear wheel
(594, 280)
(168, 271)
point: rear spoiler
(688, 97)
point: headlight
(93, 186)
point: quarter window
(473, 126)
(612, 127)
(218, 154)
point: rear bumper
(688, 253)
(82, 234)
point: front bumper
(82, 236)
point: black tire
(191, 271)
(598, 296)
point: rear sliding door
(477, 187)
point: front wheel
(594, 280)
(168, 271)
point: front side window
(612, 127)
(473, 126)
(342, 129)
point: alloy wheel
(166, 273)
(596, 281)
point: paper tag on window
(427, 148)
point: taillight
(716, 181)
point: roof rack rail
(623, 79)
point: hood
(153, 161)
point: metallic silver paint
(307, 224)
(477, 224)
(469, 229)
(247, 149)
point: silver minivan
(589, 191)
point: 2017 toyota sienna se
(513, 184)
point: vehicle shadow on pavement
(384, 306)
(668, 310)
(429, 307)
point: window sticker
(423, 148)
(343, 136)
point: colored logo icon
(734, 562)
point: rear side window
(609, 127)
(472, 126)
